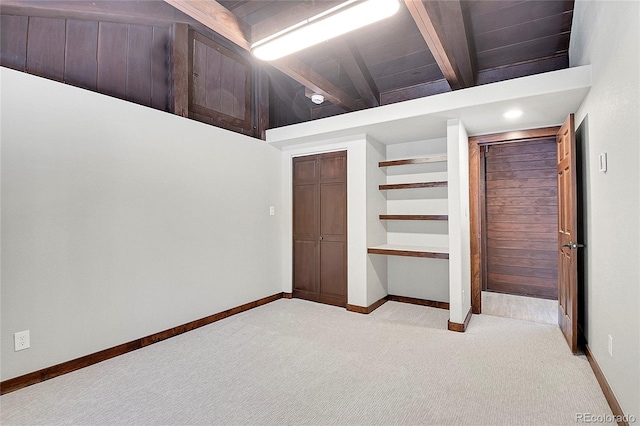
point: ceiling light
(317, 98)
(336, 21)
(512, 113)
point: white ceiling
(545, 100)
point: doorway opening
(320, 228)
(515, 262)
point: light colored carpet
(297, 362)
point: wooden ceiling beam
(351, 60)
(426, 16)
(131, 11)
(457, 35)
(218, 18)
(224, 22)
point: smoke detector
(317, 98)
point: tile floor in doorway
(541, 311)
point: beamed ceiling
(428, 47)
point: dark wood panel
(522, 183)
(23, 381)
(333, 168)
(305, 254)
(517, 13)
(522, 69)
(160, 74)
(525, 220)
(409, 77)
(199, 80)
(522, 244)
(513, 237)
(523, 162)
(305, 219)
(504, 155)
(13, 41)
(530, 50)
(333, 276)
(305, 170)
(220, 85)
(81, 53)
(528, 262)
(523, 32)
(521, 201)
(526, 281)
(45, 48)
(525, 254)
(543, 292)
(517, 210)
(532, 192)
(414, 92)
(333, 198)
(226, 88)
(523, 271)
(113, 42)
(140, 42)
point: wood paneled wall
(521, 218)
(127, 61)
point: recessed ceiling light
(512, 113)
(345, 17)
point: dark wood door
(567, 234)
(520, 218)
(320, 228)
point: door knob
(573, 245)
(321, 238)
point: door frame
(476, 198)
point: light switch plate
(603, 162)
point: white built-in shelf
(411, 251)
(423, 160)
(414, 217)
(390, 186)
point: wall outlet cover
(21, 340)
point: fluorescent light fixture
(512, 113)
(336, 21)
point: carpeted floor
(296, 362)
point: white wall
(377, 275)
(119, 221)
(459, 225)
(605, 34)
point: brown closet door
(521, 218)
(320, 228)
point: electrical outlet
(21, 340)
(272, 210)
(610, 346)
